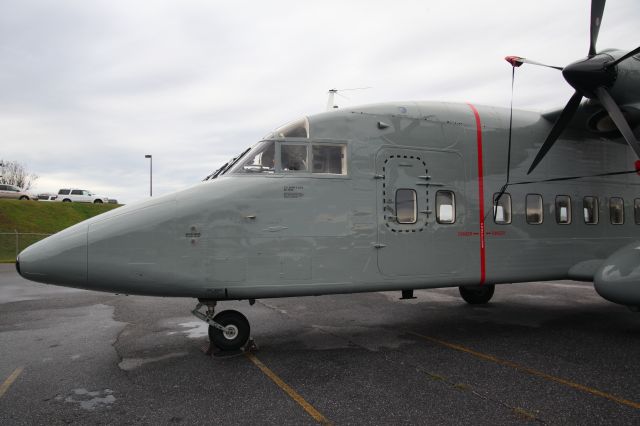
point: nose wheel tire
(477, 294)
(236, 331)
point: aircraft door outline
(420, 247)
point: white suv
(80, 196)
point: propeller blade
(564, 119)
(628, 55)
(597, 9)
(516, 61)
(616, 115)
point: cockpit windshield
(295, 129)
(261, 159)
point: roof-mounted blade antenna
(331, 101)
(332, 92)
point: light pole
(150, 157)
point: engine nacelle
(618, 279)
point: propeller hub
(588, 74)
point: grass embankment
(39, 217)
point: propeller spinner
(591, 77)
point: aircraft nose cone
(59, 259)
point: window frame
(526, 208)
(557, 210)
(345, 159)
(415, 206)
(278, 165)
(611, 211)
(596, 211)
(453, 204)
(505, 195)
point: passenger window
(294, 157)
(502, 208)
(590, 210)
(563, 209)
(406, 206)
(76, 192)
(534, 209)
(445, 207)
(616, 210)
(329, 159)
(636, 210)
(63, 192)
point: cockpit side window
(294, 157)
(329, 159)
(261, 159)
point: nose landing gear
(228, 330)
(234, 332)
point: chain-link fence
(12, 243)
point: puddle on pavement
(89, 400)
(129, 364)
(193, 329)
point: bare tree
(14, 173)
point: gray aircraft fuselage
(256, 233)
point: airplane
(389, 197)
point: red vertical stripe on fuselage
(480, 193)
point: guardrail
(12, 243)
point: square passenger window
(563, 209)
(502, 208)
(616, 210)
(406, 206)
(534, 209)
(445, 207)
(590, 210)
(294, 157)
(329, 159)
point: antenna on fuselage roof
(331, 104)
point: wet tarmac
(551, 353)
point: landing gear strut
(228, 330)
(477, 294)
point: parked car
(80, 196)
(47, 197)
(12, 191)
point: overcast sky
(87, 88)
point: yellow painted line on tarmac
(531, 371)
(12, 378)
(289, 390)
